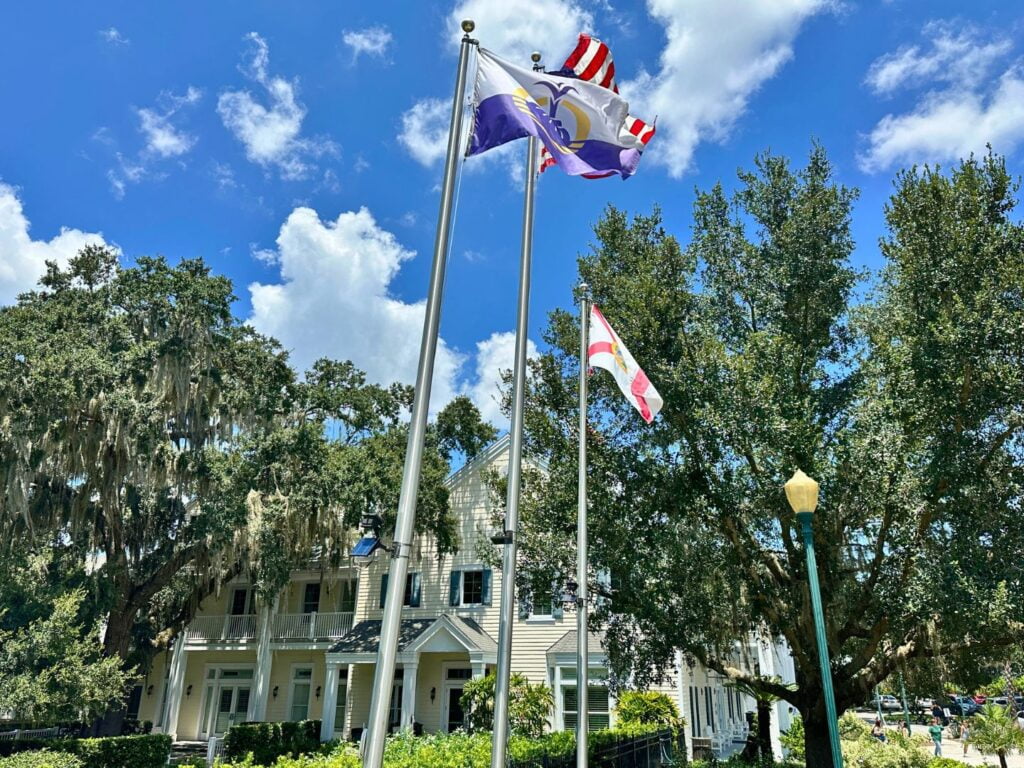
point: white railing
(284, 627)
(205, 629)
(311, 626)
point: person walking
(935, 731)
(965, 734)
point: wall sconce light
(274, 693)
(149, 691)
(433, 695)
(318, 692)
(188, 691)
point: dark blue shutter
(414, 597)
(383, 589)
(454, 589)
(557, 611)
(485, 591)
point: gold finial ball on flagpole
(535, 57)
(468, 25)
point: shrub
(268, 741)
(647, 708)
(529, 705)
(149, 751)
(793, 739)
(41, 759)
(852, 727)
(896, 753)
(946, 762)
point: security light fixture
(149, 691)
(318, 691)
(433, 695)
(188, 691)
(569, 595)
(274, 692)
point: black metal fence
(651, 750)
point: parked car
(979, 699)
(924, 704)
(999, 701)
(962, 706)
(888, 703)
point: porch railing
(650, 750)
(284, 627)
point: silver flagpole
(582, 652)
(385, 671)
(499, 736)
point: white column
(261, 681)
(176, 682)
(479, 669)
(408, 694)
(330, 703)
(684, 701)
(766, 656)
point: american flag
(591, 60)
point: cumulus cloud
(515, 28)
(22, 259)
(113, 36)
(494, 356)
(424, 132)
(953, 55)
(271, 134)
(372, 41)
(717, 53)
(163, 139)
(962, 106)
(333, 299)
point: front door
(232, 705)
(456, 717)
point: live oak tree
(140, 418)
(907, 407)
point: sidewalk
(954, 748)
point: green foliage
(905, 407)
(647, 708)
(994, 731)
(148, 751)
(53, 670)
(869, 752)
(793, 740)
(529, 705)
(41, 759)
(852, 727)
(945, 762)
(268, 741)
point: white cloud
(513, 29)
(955, 55)
(950, 125)
(717, 54)
(22, 259)
(113, 36)
(424, 131)
(163, 139)
(373, 41)
(271, 134)
(962, 106)
(494, 356)
(333, 299)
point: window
(347, 604)
(339, 707)
(242, 603)
(311, 598)
(470, 587)
(134, 700)
(302, 681)
(413, 590)
(395, 707)
(456, 673)
(598, 700)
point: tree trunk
(117, 642)
(764, 732)
(1002, 760)
(817, 744)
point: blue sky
(297, 147)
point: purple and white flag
(579, 123)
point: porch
(436, 657)
(284, 628)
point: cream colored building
(312, 654)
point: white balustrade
(285, 627)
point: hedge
(149, 751)
(269, 741)
(41, 759)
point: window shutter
(454, 589)
(383, 589)
(485, 590)
(414, 597)
(524, 608)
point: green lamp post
(802, 494)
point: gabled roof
(416, 634)
(567, 643)
(365, 636)
(487, 456)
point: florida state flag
(607, 351)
